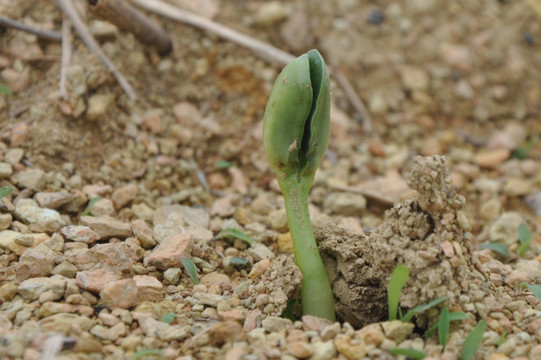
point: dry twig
(266, 51)
(90, 42)
(45, 34)
(66, 56)
(128, 18)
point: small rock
(98, 105)
(7, 241)
(349, 350)
(464, 90)
(29, 211)
(172, 275)
(260, 251)
(345, 204)
(79, 233)
(371, 334)
(414, 78)
(208, 299)
(533, 200)
(118, 256)
(270, 12)
(36, 262)
(259, 269)
(169, 253)
(5, 170)
(314, 323)
(492, 159)
(216, 283)
(96, 279)
(143, 211)
(110, 334)
(505, 229)
(65, 269)
(225, 332)
(517, 187)
(31, 289)
(148, 288)
(14, 156)
(284, 243)
(107, 227)
(124, 195)
(92, 191)
(397, 330)
(276, 324)
(7, 292)
(143, 232)
(31, 179)
(300, 349)
(119, 294)
(517, 278)
(491, 209)
(323, 350)
(5, 221)
(64, 323)
(53, 200)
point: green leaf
(522, 152)
(90, 204)
(409, 353)
(453, 316)
(502, 338)
(148, 354)
(239, 261)
(5, 90)
(443, 327)
(229, 233)
(536, 290)
(398, 278)
(473, 341)
(169, 317)
(525, 238)
(5, 191)
(496, 247)
(191, 269)
(420, 308)
(223, 164)
(289, 311)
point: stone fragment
(66, 269)
(345, 204)
(414, 78)
(79, 233)
(77, 203)
(169, 253)
(300, 349)
(119, 294)
(110, 334)
(208, 299)
(7, 292)
(5, 221)
(28, 210)
(148, 288)
(31, 179)
(14, 155)
(259, 269)
(115, 256)
(314, 323)
(216, 283)
(92, 191)
(260, 251)
(492, 159)
(270, 12)
(36, 262)
(143, 232)
(505, 229)
(348, 349)
(5, 170)
(284, 243)
(276, 324)
(98, 105)
(172, 275)
(53, 200)
(102, 207)
(154, 328)
(64, 323)
(225, 332)
(31, 289)
(397, 330)
(517, 187)
(107, 227)
(371, 334)
(190, 215)
(95, 280)
(7, 241)
(323, 350)
(124, 195)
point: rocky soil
(110, 195)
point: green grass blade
(420, 308)
(443, 327)
(525, 238)
(148, 354)
(453, 316)
(239, 261)
(5, 191)
(169, 317)
(396, 283)
(497, 248)
(5, 90)
(90, 204)
(536, 290)
(223, 164)
(229, 233)
(473, 341)
(191, 269)
(409, 353)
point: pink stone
(119, 294)
(448, 249)
(122, 196)
(170, 252)
(95, 280)
(148, 288)
(79, 233)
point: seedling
(191, 269)
(522, 152)
(5, 191)
(525, 238)
(295, 137)
(148, 354)
(5, 90)
(223, 164)
(90, 204)
(453, 316)
(501, 340)
(497, 248)
(169, 317)
(230, 233)
(443, 327)
(409, 353)
(473, 341)
(535, 289)
(239, 261)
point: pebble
(34, 179)
(533, 201)
(119, 294)
(107, 227)
(5, 221)
(143, 232)
(348, 349)
(64, 323)
(323, 350)
(31, 289)
(98, 104)
(7, 241)
(285, 245)
(276, 324)
(91, 191)
(53, 200)
(397, 330)
(270, 12)
(5, 170)
(278, 220)
(492, 159)
(169, 253)
(36, 262)
(110, 334)
(124, 195)
(79, 233)
(413, 78)
(347, 204)
(517, 187)
(14, 155)
(225, 332)
(96, 279)
(148, 288)
(260, 251)
(29, 211)
(172, 275)
(505, 229)
(118, 256)
(65, 269)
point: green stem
(316, 294)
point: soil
(452, 163)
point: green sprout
(473, 341)
(525, 238)
(295, 136)
(191, 269)
(409, 353)
(231, 233)
(5, 191)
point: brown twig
(266, 51)
(45, 34)
(128, 18)
(91, 43)
(66, 56)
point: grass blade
(409, 353)
(148, 354)
(453, 316)
(191, 269)
(5, 191)
(420, 308)
(396, 283)
(223, 164)
(536, 290)
(497, 248)
(239, 261)
(5, 90)
(473, 341)
(229, 233)
(525, 238)
(443, 327)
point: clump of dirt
(430, 235)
